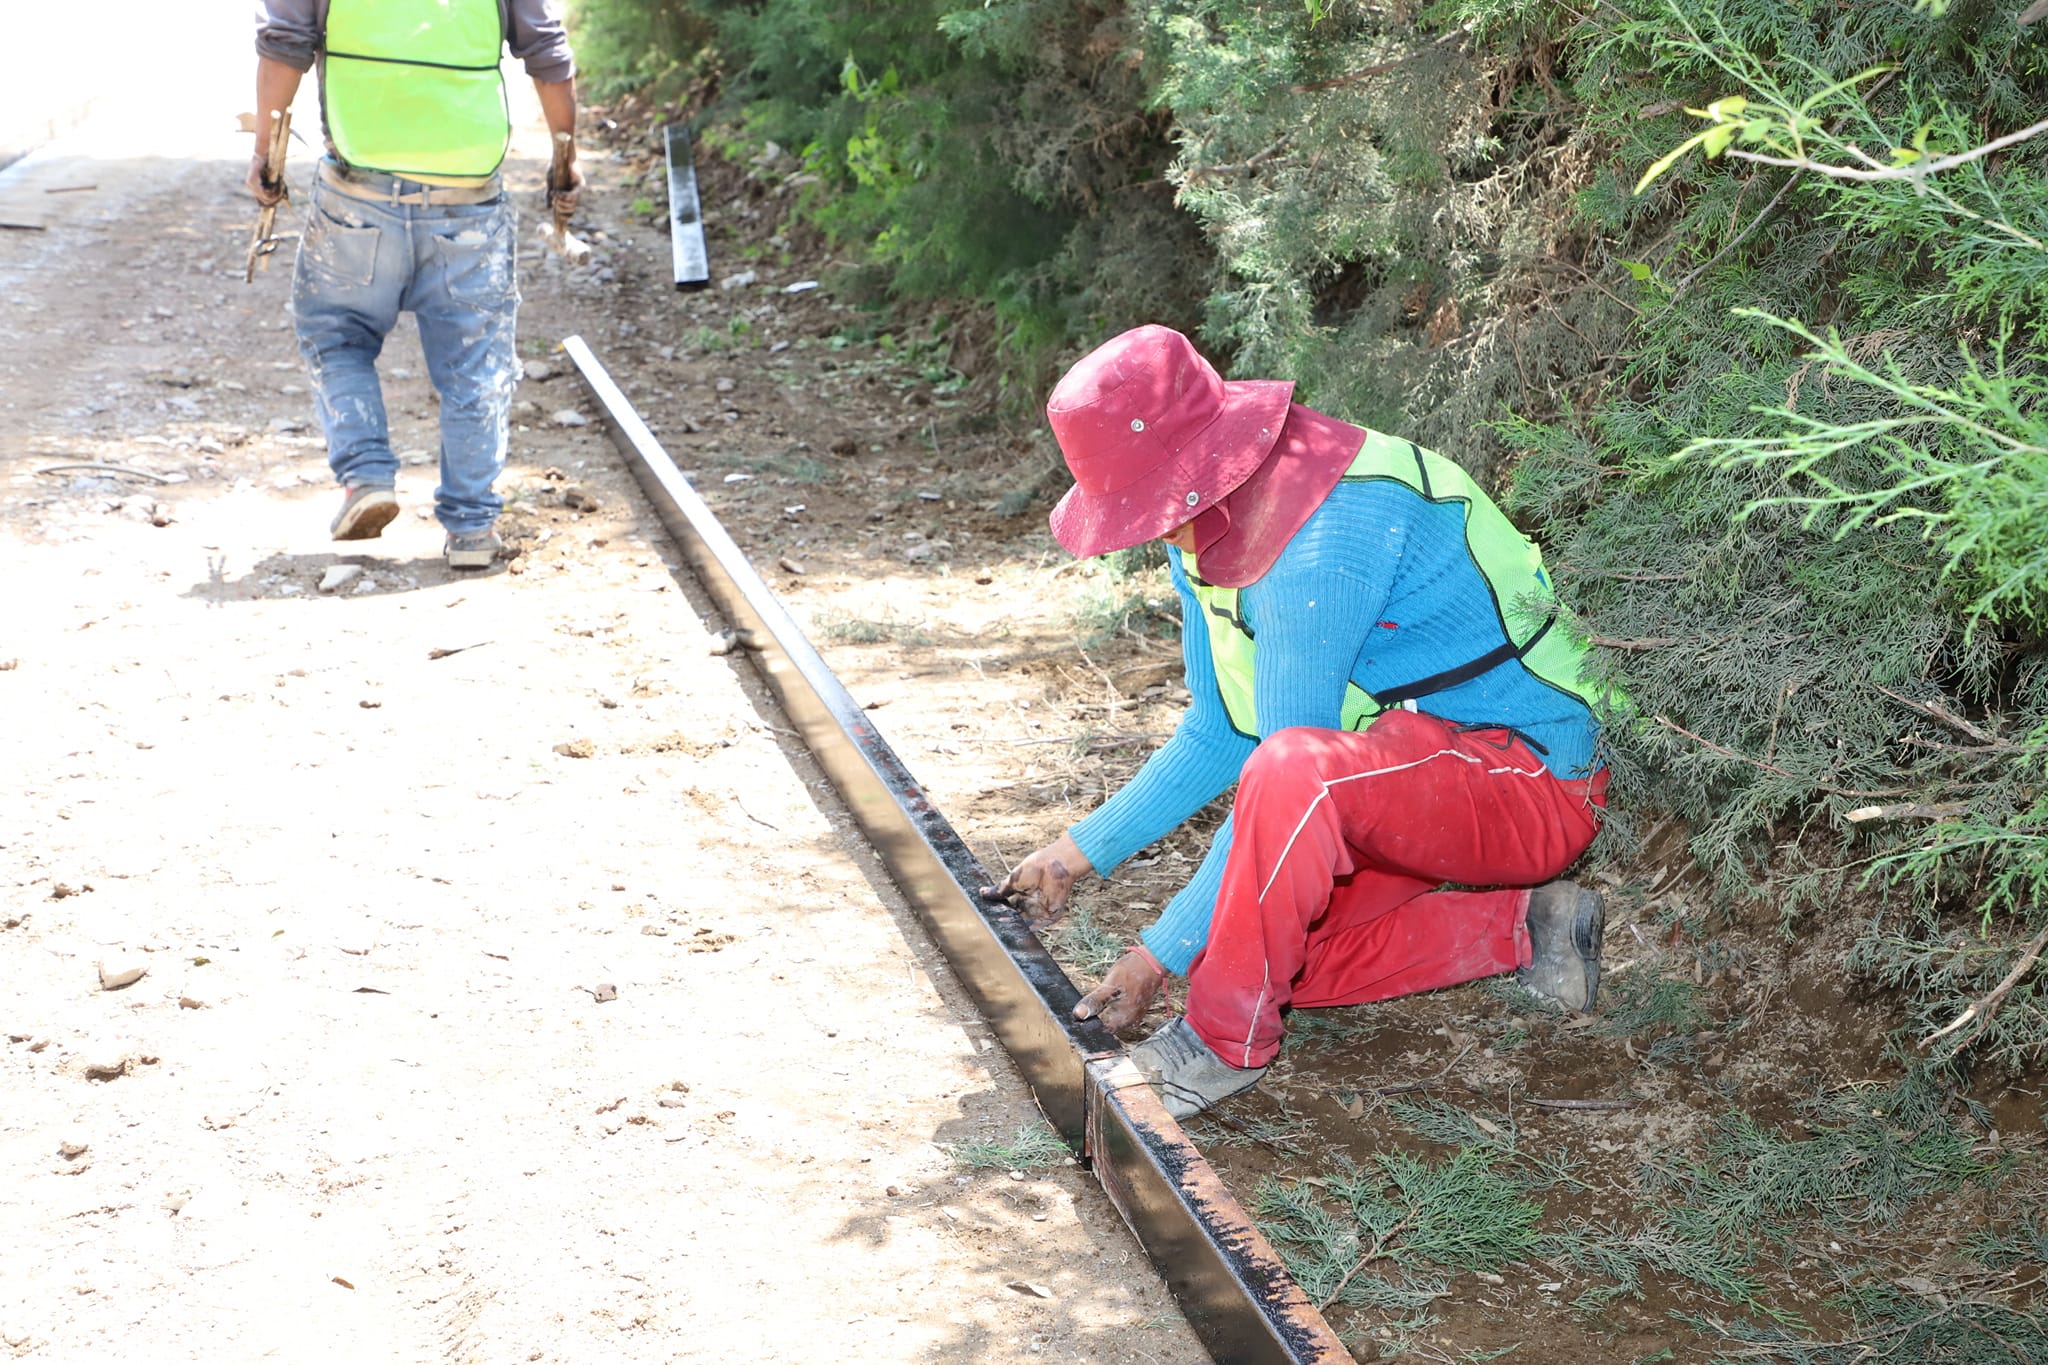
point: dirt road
(510, 992)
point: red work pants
(1341, 839)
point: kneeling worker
(1373, 656)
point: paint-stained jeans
(361, 263)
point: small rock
(288, 424)
(539, 371)
(725, 384)
(569, 417)
(400, 372)
(1036, 1291)
(739, 281)
(576, 748)
(71, 1151)
(576, 500)
(339, 576)
(672, 1101)
(726, 641)
(917, 554)
(790, 565)
(845, 445)
(117, 980)
(186, 1002)
(603, 991)
(106, 1071)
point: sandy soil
(510, 990)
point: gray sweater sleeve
(539, 39)
(289, 31)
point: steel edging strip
(690, 257)
(1226, 1277)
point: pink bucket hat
(1154, 437)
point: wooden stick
(1935, 711)
(105, 469)
(1910, 810)
(261, 241)
(1983, 1009)
(1580, 1104)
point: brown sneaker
(1186, 1074)
(472, 549)
(366, 509)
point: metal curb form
(1225, 1275)
(691, 259)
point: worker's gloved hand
(1040, 885)
(1126, 993)
(268, 196)
(568, 194)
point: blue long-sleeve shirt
(1376, 588)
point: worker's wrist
(1144, 955)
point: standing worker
(409, 214)
(1373, 657)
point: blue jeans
(363, 262)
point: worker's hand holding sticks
(266, 183)
(565, 191)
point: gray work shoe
(1186, 1074)
(472, 549)
(366, 509)
(1565, 920)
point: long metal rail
(1226, 1277)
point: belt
(380, 188)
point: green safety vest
(1523, 601)
(411, 87)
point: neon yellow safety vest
(411, 87)
(1524, 603)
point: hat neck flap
(1262, 514)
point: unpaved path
(378, 849)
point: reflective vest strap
(1463, 673)
(406, 61)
